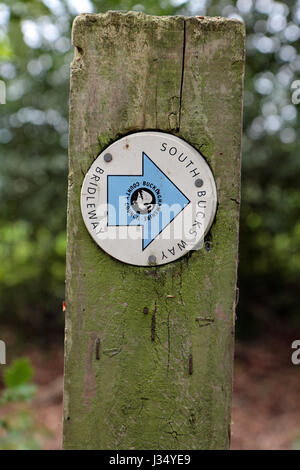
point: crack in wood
(182, 74)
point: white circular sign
(148, 199)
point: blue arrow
(150, 200)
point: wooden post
(149, 350)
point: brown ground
(266, 400)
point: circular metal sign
(148, 199)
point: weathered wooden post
(149, 346)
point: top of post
(88, 20)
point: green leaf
(19, 373)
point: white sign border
(165, 150)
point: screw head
(199, 183)
(208, 245)
(152, 259)
(108, 157)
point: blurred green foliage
(17, 382)
(296, 443)
(17, 427)
(35, 53)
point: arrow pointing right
(168, 201)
